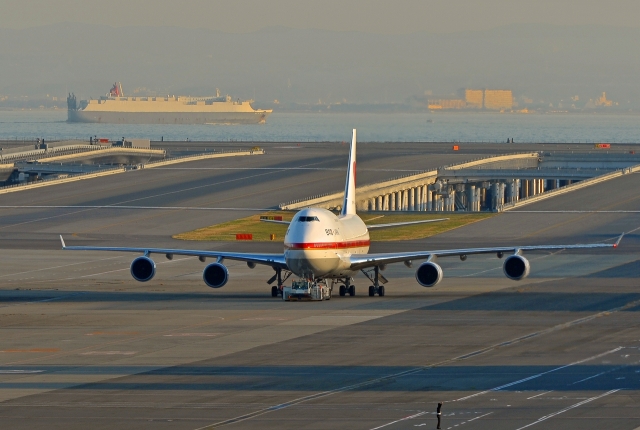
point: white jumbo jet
(320, 245)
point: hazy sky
(375, 16)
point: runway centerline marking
(546, 417)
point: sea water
(336, 127)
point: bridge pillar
(385, 202)
(495, 196)
(425, 197)
(429, 199)
(510, 194)
(412, 199)
(482, 201)
(471, 198)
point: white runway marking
(192, 335)
(109, 353)
(19, 372)
(286, 168)
(164, 208)
(57, 267)
(520, 381)
(400, 420)
(590, 377)
(538, 395)
(546, 417)
(411, 372)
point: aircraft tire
(352, 290)
(372, 291)
(274, 291)
(381, 290)
(343, 290)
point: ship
(116, 108)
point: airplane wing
(400, 224)
(276, 221)
(273, 260)
(362, 261)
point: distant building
(602, 101)
(488, 99)
(445, 103)
(498, 99)
(474, 98)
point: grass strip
(262, 231)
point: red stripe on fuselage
(328, 245)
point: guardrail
(571, 187)
(475, 161)
(55, 181)
(115, 170)
(201, 156)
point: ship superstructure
(117, 108)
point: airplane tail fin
(349, 203)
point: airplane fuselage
(318, 243)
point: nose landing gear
(347, 288)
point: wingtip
(62, 241)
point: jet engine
(215, 275)
(516, 267)
(429, 274)
(143, 269)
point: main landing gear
(376, 278)
(276, 290)
(347, 288)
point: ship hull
(167, 117)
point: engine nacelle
(516, 267)
(215, 275)
(429, 274)
(143, 269)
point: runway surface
(84, 346)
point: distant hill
(538, 61)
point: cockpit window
(308, 218)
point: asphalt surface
(84, 346)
